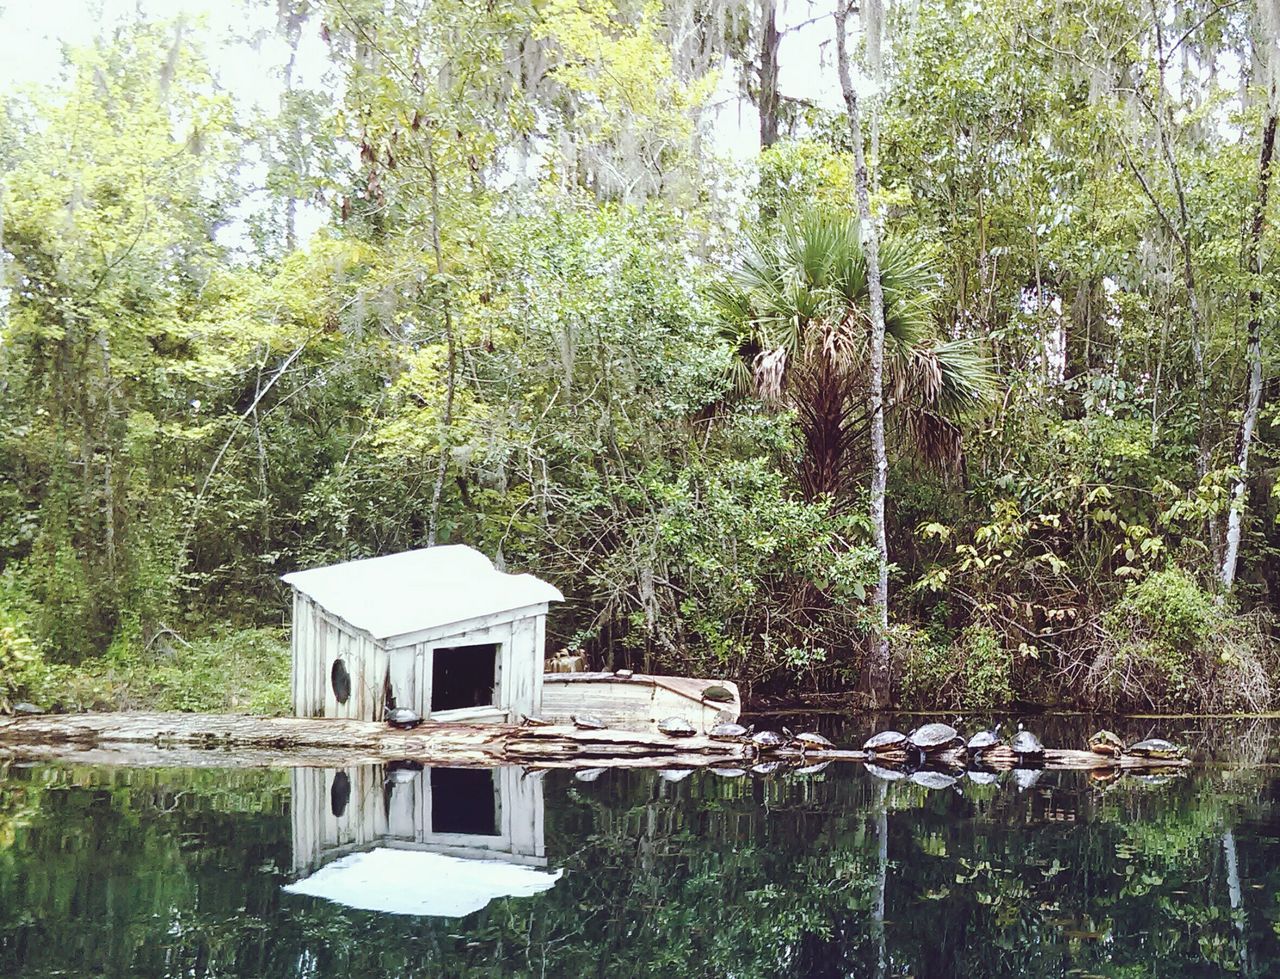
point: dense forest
(959, 390)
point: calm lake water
(164, 872)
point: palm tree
(797, 315)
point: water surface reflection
(171, 872)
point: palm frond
(797, 315)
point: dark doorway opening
(463, 676)
(463, 801)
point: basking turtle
(528, 721)
(886, 742)
(810, 741)
(985, 741)
(399, 772)
(677, 727)
(766, 767)
(729, 772)
(718, 693)
(1026, 778)
(767, 741)
(1026, 745)
(933, 780)
(884, 774)
(403, 718)
(588, 774)
(23, 707)
(587, 722)
(1158, 748)
(936, 737)
(729, 731)
(1106, 743)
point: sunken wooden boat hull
(639, 702)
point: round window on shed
(339, 792)
(341, 680)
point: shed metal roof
(415, 590)
(396, 881)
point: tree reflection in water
(164, 872)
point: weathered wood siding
(402, 818)
(320, 833)
(319, 639)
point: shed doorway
(463, 676)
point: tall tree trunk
(768, 99)
(442, 461)
(882, 877)
(1188, 270)
(1235, 895)
(878, 667)
(1253, 355)
(4, 271)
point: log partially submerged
(226, 740)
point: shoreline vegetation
(1010, 440)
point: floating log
(225, 740)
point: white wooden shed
(438, 630)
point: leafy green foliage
(1168, 642)
(519, 325)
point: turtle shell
(1026, 778)
(811, 739)
(677, 727)
(1106, 743)
(1157, 748)
(718, 693)
(403, 771)
(934, 737)
(587, 722)
(886, 741)
(984, 740)
(1026, 743)
(727, 731)
(933, 780)
(885, 774)
(768, 739)
(812, 769)
(528, 720)
(403, 718)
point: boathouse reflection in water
(405, 839)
